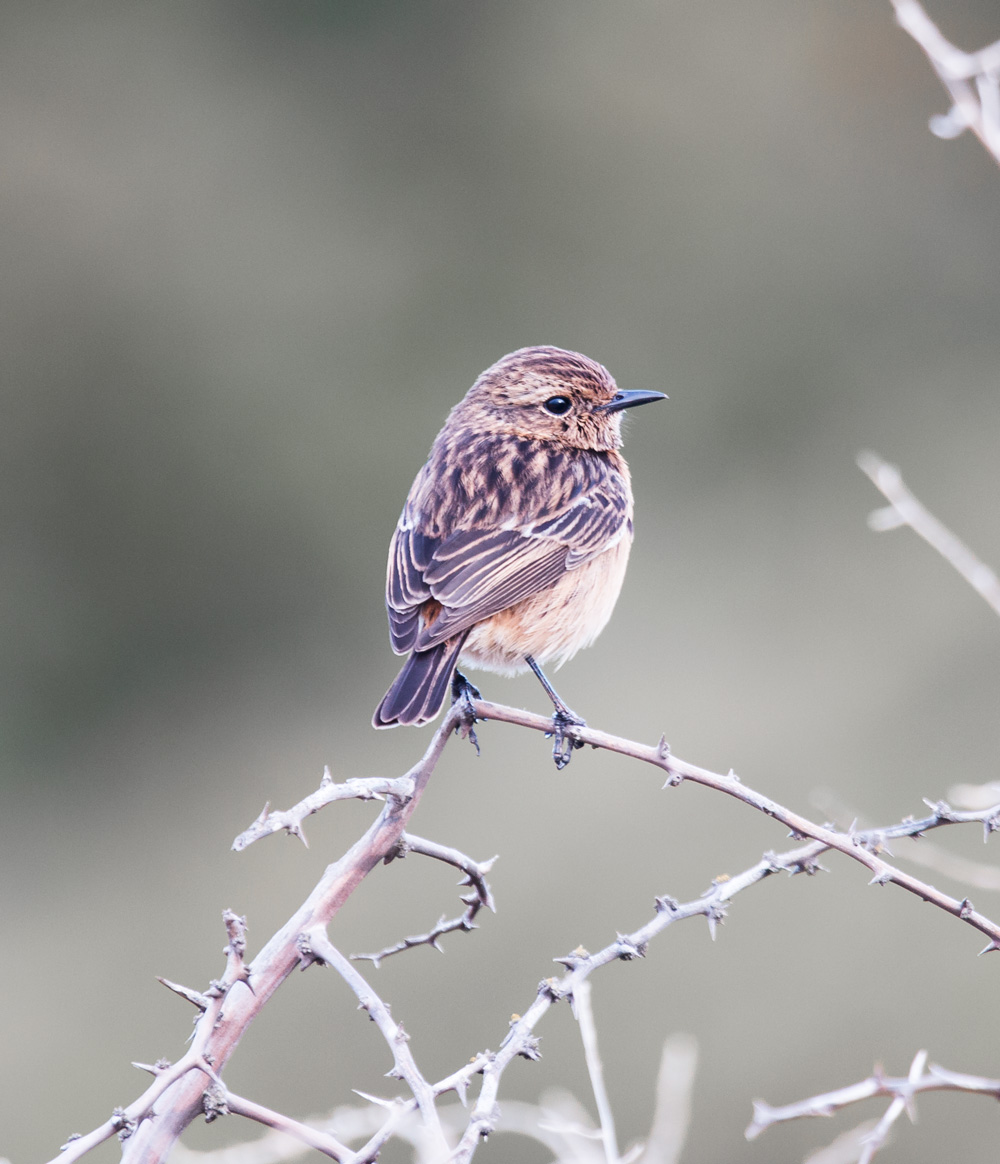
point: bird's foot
(463, 692)
(564, 745)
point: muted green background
(252, 255)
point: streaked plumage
(516, 532)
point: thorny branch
(863, 847)
(193, 1085)
(154, 1122)
(480, 896)
(901, 1090)
(198, 1060)
(177, 1095)
(291, 818)
(315, 946)
(970, 78)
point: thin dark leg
(562, 718)
(464, 692)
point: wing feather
(472, 573)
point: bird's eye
(558, 405)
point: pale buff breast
(553, 625)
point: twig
(175, 1101)
(290, 820)
(978, 874)
(900, 1090)
(975, 105)
(588, 1035)
(175, 1096)
(314, 1138)
(862, 847)
(521, 1041)
(314, 945)
(905, 509)
(475, 876)
(125, 1122)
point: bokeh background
(252, 255)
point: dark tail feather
(420, 688)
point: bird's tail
(420, 688)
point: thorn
(994, 945)
(295, 830)
(762, 1119)
(629, 950)
(572, 959)
(965, 909)
(265, 812)
(663, 748)
(550, 988)
(374, 1098)
(529, 1049)
(327, 777)
(714, 915)
(195, 997)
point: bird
(511, 548)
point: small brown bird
(511, 549)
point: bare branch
(475, 876)
(970, 78)
(862, 847)
(176, 1095)
(290, 820)
(521, 1041)
(315, 945)
(588, 1035)
(125, 1122)
(900, 1090)
(314, 1138)
(175, 1098)
(905, 509)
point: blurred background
(252, 255)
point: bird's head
(549, 394)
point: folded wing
(438, 587)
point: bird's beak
(629, 400)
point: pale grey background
(252, 255)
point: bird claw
(563, 745)
(463, 692)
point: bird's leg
(562, 718)
(464, 692)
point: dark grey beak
(630, 400)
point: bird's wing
(474, 573)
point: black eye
(558, 405)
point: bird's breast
(554, 624)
